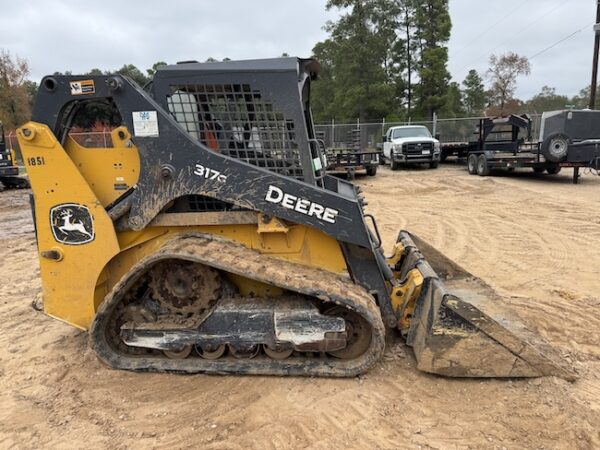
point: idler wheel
(358, 333)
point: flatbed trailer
(485, 154)
(350, 158)
(344, 161)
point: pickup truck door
(387, 145)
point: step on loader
(205, 237)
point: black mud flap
(462, 328)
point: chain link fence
(345, 135)
(357, 135)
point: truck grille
(416, 148)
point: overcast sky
(69, 35)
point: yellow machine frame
(75, 278)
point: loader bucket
(461, 327)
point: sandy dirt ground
(536, 239)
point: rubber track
(236, 258)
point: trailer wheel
(553, 170)
(434, 164)
(372, 171)
(472, 164)
(555, 147)
(350, 175)
(483, 170)
(538, 170)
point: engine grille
(200, 203)
(416, 148)
(237, 121)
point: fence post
(332, 132)
(434, 125)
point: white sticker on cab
(145, 123)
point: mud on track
(536, 239)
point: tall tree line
(385, 58)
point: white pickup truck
(411, 144)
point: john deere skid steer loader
(207, 238)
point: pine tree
(433, 32)
(474, 96)
(453, 106)
(354, 62)
(385, 58)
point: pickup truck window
(411, 132)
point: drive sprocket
(184, 288)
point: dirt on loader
(536, 239)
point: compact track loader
(9, 171)
(207, 237)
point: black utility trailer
(343, 161)
(352, 158)
(567, 139)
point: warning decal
(145, 123)
(82, 87)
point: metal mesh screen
(237, 121)
(200, 203)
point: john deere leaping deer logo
(72, 224)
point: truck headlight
(436, 147)
(397, 148)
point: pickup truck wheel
(372, 171)
(394, 165)
(443, 156)
(483, 170)
(553, 170)
(433, 164)
(555, 147)
(472, 164)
